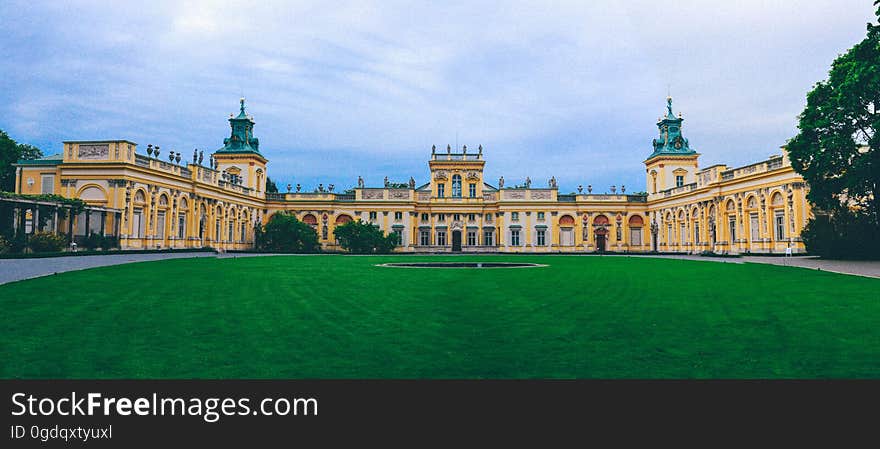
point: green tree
(10, 153)
(270, 186)
(837, 148)
(358, 237)
(284, 233)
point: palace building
(148, 202)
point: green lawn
(343, 317)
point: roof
(53, 159)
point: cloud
(570, 89)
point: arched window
(310, 220)
(456, 186)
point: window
(635, 236)
(669, 234)
(754, 227)
(456, 186)
(441, 218)
(160, 225)
(514, 237)
(780, 225)
(679, 180)
(243, 236)
(541, 239)
(137, 229)
(373, 215)
(441, 190)
(487, 238)
(441, 238)
(472, 190)
(181, 226)
(456, 217)
(398, 216)
(514, 216)
(683, 233)
(217, 230)
(48, 184)
(731, 223)
(540, 216)
(488, 218)
(424, 217)
(697, 232)
(325, 231)
(472, 238)
(424, 238)
(398, 236)
(472, 218)
(229, 235)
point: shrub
(92, 241)
(842, 236)
(109, 242)
(284, 233)
(5, 247)
(44, 242)
(364, 238)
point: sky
(365, 88)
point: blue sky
(341, 89)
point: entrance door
(456, 241)
(600, 242)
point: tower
(457, 176)
(240, 157)
(672, 163)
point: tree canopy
(359, 237)
(10, 152)
(837, 148)
(284, 233)
(270, 186)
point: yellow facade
(150, 203)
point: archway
(600, 230)
(601, 240)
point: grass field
(343, 317)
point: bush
(92, 241)
(842, 236)
(364, 238)
(109, 242)
(44, 242)
(5, 247)
(284, 233)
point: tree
(270, 186)
(837, 148)
(284, 233)
(358, 237)
(10, 153)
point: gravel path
(18, 269)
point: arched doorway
(600, 226)
(601, 239)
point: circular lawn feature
(460, 265)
